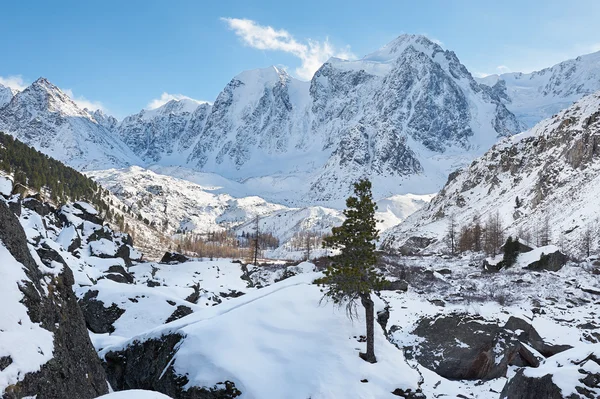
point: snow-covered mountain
(6, 94)
(44, 117)
(406, 114)
(541, 94)
(165, 134)
(549, 173)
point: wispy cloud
(15, 82)
(83, 102)
(312, 53)
(166, 97)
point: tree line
(39, 173)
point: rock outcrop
(148, 365)
(74, 369)
(462, 347)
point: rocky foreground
(84, 312)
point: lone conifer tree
(352, 274)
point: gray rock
(552, 262)
(180, 312)
(99, 318)
(461, 347)
(173, 257)
(531, 337)
(75, 370)
(148, 365)
(414, 245)
(398, 285)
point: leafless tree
(451, 234)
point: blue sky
(125, 55)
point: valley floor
(281, 340)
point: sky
(123, 56)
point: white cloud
(83, 102)
(312, 53)
(15, 82)
(166, 97)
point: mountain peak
(397, 46)
(268, 75)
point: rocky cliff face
(168, 131)
(45, 349)
(549, 173)
(387, 115)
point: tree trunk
(367, 302)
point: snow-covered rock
(45, 349)
(165, 134)
(538, 95)
(6, 94)
(554, 171)
(243, 344)
(44, 117)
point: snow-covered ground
(267, 330)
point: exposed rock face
(552, 262)
(74, 370)
(98, 318)
(148, 365)
(541, 94)
(572, 374)
(551, 169)
(530, 336)
(461, 347)
(171, 129)
(522, 387)
(180, 312)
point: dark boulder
(124, 252)
(85, 215)
(74, 370)
(98, 234)
(15, 206)
(148, 365)
(98, 318)
(552, 262)
(173, 257)
(398, 285)
(41, 208)
(579, 373)
(194, 296)
(180, 312)
(523, 387)
(119, 274)
(530, 336)
(462, 347)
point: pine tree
(352, 274)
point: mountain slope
(168, 131)
(6, 94)
(553, 169)
(541, 94)
(374, 117)
(44, 117)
